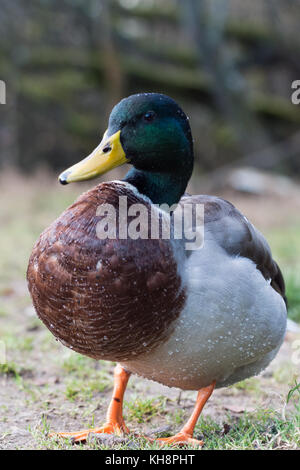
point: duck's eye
(149, 116)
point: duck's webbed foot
(81, 436)
(185, 436)
(114, 418)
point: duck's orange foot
(81, 436)
(180, 439)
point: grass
(61, 390)
(10, 369)
(264, 429)
(292, 279)
(251, 385)
(141, 411)
(85, 377)
(285, 245)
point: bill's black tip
(63, 178)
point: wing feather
(233, 231)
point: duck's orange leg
(114, 418)
(185, 435)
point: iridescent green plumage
(157, 140)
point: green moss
(82, 124)
(59, 86)
(250, 33)
(10, 368)
(275, 107)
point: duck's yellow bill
(108, 155)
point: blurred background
(230, 64)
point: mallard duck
(193, 319)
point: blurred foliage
(229, 63)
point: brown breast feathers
(107, 299)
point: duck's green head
(152, 133)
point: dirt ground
(45, 386)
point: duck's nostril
(106, 149)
